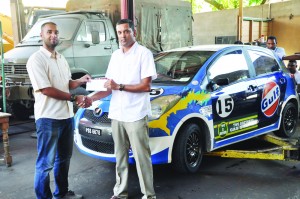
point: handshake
(83, 101)
(105, 89)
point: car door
(93, 58)
(271, 82)
(234, 97)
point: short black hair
(272, 38)
(124, 21)
(46, 23)
(292, 62)
(238, 42)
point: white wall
(208, 25)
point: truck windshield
(66, 27)
(179, 66)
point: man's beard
(52, 45)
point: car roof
(213, 47)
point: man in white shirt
(272, 45)
(129, 75)
(51, 80)
(292, 66)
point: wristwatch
(121, 87)
(73, 97)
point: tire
(188, 149)
(288, 122)
(21, 112)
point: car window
(86, 29)
(231, 66)
(263, 63)
(179, 66)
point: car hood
(156, 91)
(167, 90)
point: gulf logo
(270, 99)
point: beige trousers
(136, 135)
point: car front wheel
(188, 149)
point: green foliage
(256, 2)
(197, 5)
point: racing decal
(156, 92)
(223, 129)
(228, 128)
(224, 105)
(270, 99)
(192, 99)
(206, 110)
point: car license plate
(93, 131)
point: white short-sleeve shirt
(130, 68)
(297, 76)
(46, 71)
(280, 52)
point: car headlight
(162, 104)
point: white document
(96, 85)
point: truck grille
(88, 114)
(101, 147)
(15, 69)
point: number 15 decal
(224, 105)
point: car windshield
(179, 66)
(66, 27)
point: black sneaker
(114, 197)
(71, 195)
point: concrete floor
(218, 178)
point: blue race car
(205, 98)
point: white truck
(87, 40)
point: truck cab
(87, 40)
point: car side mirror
(211, 86)
(95, 37)
(214, 85)
(222, 81)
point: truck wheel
(188, 149)
(20, 112)
(289, 120)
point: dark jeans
(54, 146)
